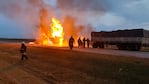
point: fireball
(52, 34)
(57, 31)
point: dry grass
(57, 66)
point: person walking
(23, 51)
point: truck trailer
(130, 39)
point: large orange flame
(52, 34)
(57, 31)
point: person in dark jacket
(88, 42)
(23, 51)
(71, 41)
(84, 42)
(79, 43)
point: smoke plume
(24, 13)
(83, 5)
(75, 15)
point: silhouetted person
(71, 41)
(79, 42)
(84, 42)
(23, 51)
(88, 42)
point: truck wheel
(122, 47)
(134, 47)
(119, 47)
(138, 47)
(95, 45)
(101, 45)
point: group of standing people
(83, 43)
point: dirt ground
(50, 65)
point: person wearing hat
(23, 51)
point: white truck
(132, 39)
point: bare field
(50, 65)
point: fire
(52, 34)
(57, 31)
